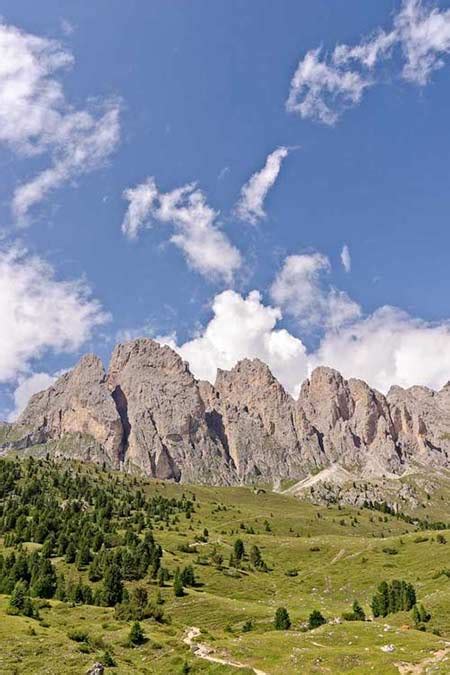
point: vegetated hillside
(105, 567)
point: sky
(233, 178)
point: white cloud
(196, 231)
(244, 327)
(66, 27)
(40, 313)
(126, 334)
(250, 206)
(301, 292)
(389, 347)
(26, 389)
(35, 118)
(141, 199)
(321, 90)
(324, 86)
(424, 33)
(346, 258)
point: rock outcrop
(79, 407)
(163, 415)
(149, 414)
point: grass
(337, 553)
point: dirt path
(422, 667)
(338, 556)
(203, 651)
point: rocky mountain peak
(148, 413)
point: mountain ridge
(147, 413)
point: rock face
(354, 422)
(163, 415)
(421, 419)
(149, 414)
(265, 435)
(79, 404)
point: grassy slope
(349, 564)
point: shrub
(136, 636)
(282, 620)
(316, 619)
(78, 636)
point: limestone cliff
(149, 414)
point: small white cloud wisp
(346, 259)
(324, 84)
(250, 206)
(196, 230)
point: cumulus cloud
(389, 347)
(250, 206)
(40, 313)
(346, 258)
(300, 289)
(324, 85)
(26, 389)
(36, 119)
(385, 348)
(197, 234)
(244, 327)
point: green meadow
(314, 558)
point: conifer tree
(282, 620)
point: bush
(291, 573)
(107, 660)
(78, 636)
(282, 620)
(136, 636)
(316, 619)
(357, 613)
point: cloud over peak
(383, 348)
(40, 313)
(300, 288)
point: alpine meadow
(224, 337)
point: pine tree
(316, 619)
(358, 611)
(178, 584)
(136, 635)
(239, 550)
(112, 585)
(71, 553)
(188, 576)
(43, 583)
(282, 620)
(17, 599)
(255, 556)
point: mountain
(148, 414)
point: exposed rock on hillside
(163, 414)
(79, 404)
(149, 414)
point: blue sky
(196, 93)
